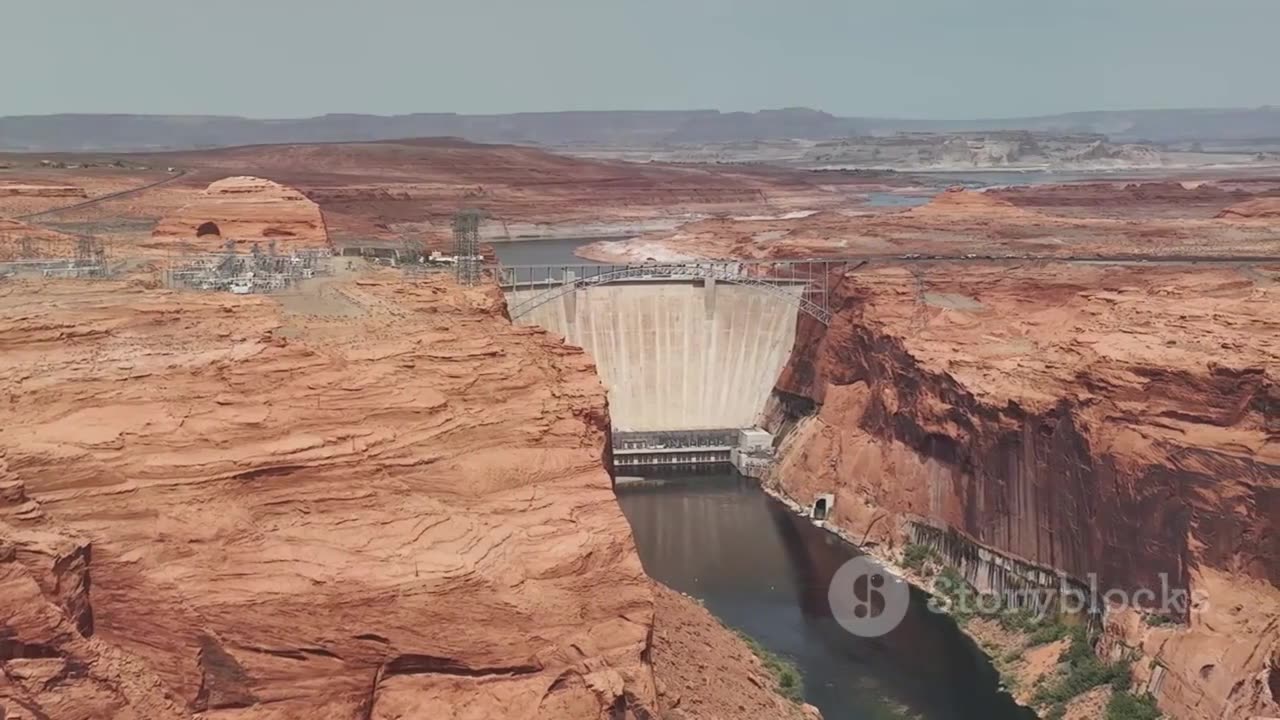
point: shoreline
(912, 578)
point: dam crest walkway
(802, 283)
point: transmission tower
(466, 245)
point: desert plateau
(403, 361)
(374, 493)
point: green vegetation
(786, 677)
(1158, 620)
(966, 603)
(1082, 671)
(1050, 630)
(961, 597)
(1040, 628)
(1128, 706)
(917, 557)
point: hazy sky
(921, 58)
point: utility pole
(466, 245)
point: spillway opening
(822, 507)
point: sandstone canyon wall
(1073, 419)
(388, 502)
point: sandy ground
(379, 193)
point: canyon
(988, 388)
(379, 496)
(1096, 421)
(391, 503)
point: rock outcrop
(1001, 149)
(8, 189)
(959, 202)
(383, 502)
(247, 210)
(1111, 423)
(1260, 209)
(703, 670)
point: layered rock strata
(384, 502)
(11, 189)
(1112, 423)
(247, 210)
(1261, 209)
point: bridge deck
(802, 283)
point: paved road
(104, 198)
(587, 270)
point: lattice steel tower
(466, 245)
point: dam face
(676, 354)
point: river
(765, 571)
(762, 570)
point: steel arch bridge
(775, 277)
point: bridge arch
(736, 273)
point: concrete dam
(681, 349)
(677, 355)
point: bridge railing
(779, 277)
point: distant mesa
(1259, 209)
(10, 189)
(248, 210)
(959, 201)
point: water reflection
(765, 571)
(553, 251)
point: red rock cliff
(384, 502)
(1114, 422)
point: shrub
(1127, 706)
(787, 679)
(1052, 630)
(1018, 620)
(963, 598)
(1083, 671)
(917, 556)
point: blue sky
(914, 58)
